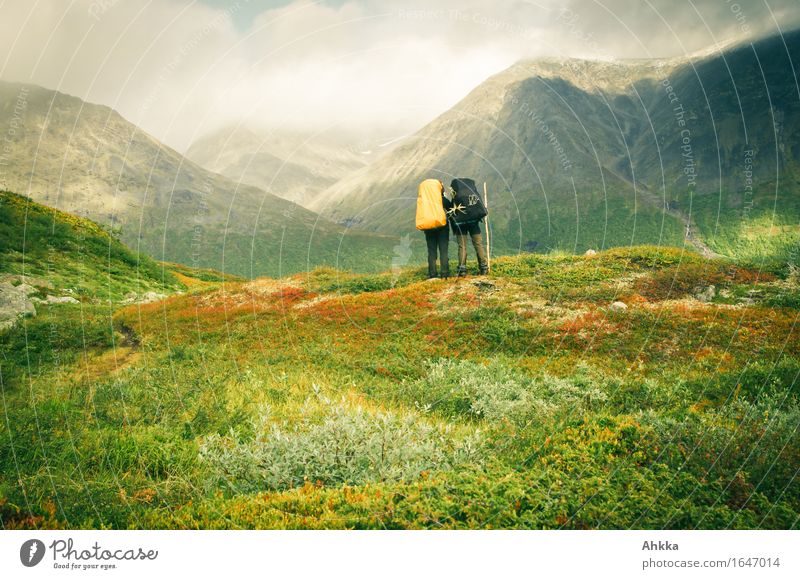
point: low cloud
(179, 69)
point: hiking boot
(484, 271)
(462, 272)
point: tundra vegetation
(329, 399)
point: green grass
(200, 274)
(281, 250)
(760, 228)
(597, 223)
(336, 400)
(70, 253)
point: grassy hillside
(71, 253)
(767, 230)
(518, 400)
(67, 257)
(527, 223)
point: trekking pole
(488, 237)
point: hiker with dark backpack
(432, 204)
(465, 214)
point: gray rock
(14, 303)
(590, 253)
(40, 282)
(485, 285)
(618, 307)
(129, 298)
(61, 300)
(145, 298)
(706, 294)
(151, 297)
(27, 289)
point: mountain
(293, 166)
(87, 160)
(583, 154)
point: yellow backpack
(430, 211)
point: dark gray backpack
(468, 204)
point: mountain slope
(61, 278)
(581, 154)
(59, 254)
(292, 166)
(87, 160)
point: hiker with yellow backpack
(432, 204)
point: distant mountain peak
(581, 153)
(290, 164)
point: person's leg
(444, 263)
(461, 237)
(430, 240)
(480, 249)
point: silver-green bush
(348, 446)
(495, 391)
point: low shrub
(747, 448)
(349, 446)
(496, 392)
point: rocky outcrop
(60, 300)
(145, 298)
(15, 302)
(705, 294)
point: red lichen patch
(329, 309)
(260, 293)
(240, 299)
(634, 299)
(593, 322)
(751, 276)
(680, 280)
(390, 310)
(290, 296)
(313, 300)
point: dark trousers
(474, 231)
(437, 240)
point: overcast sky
(181, 68)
